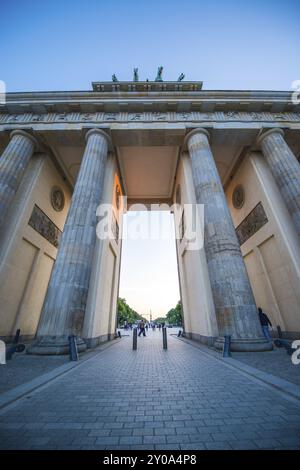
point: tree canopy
(173, 317)
(126, 313)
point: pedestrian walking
(142, 328)
(265, 322)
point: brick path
(23, 368)
(152, 399)
(275, 362)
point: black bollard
(279, 331)
(134, 339)
(15, 346)
(13, 349)
(165, 342)
(226, 346)
(17, 336)
(283, 343)
(73, 348)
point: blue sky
(65, 45)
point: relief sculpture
(252, 223)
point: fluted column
(233, 298)
(13, 163)
(65, 302)
(285, 169)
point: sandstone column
(65, 302)
(13, 163)
(285, 169)
(233, 298)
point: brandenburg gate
(65, 153)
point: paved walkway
(22, 368)
(152, 399)
(276, 362)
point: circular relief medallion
(118, 196)
(178, 195)
(57, 199)
(238, 197)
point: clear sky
(149, 278)
(229, 44)
(65, 45)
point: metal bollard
(165, 342)
(283, 343)
(16, 347)
(13, 349)
(279, 331)
(134, 339)
(17, 336)
(73, 348)
(226, 347)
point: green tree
(126, 313)
(174, 316)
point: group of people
(143, 326)
(127, 326)
(157, 325)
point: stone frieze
(127, 117)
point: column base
(245, 345)
(54, 345)
(207, 340)
(92, 343)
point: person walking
(142, 328)
(265, 322)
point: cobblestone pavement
(23, 367)
(152, 399)
(275, 362)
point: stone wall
(27, 256)
(272, 253)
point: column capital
(99, 132)
(274, 130)
(25, 134)
(13, 164)
(198, 130)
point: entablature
(204, 101)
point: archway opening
(149, 284)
